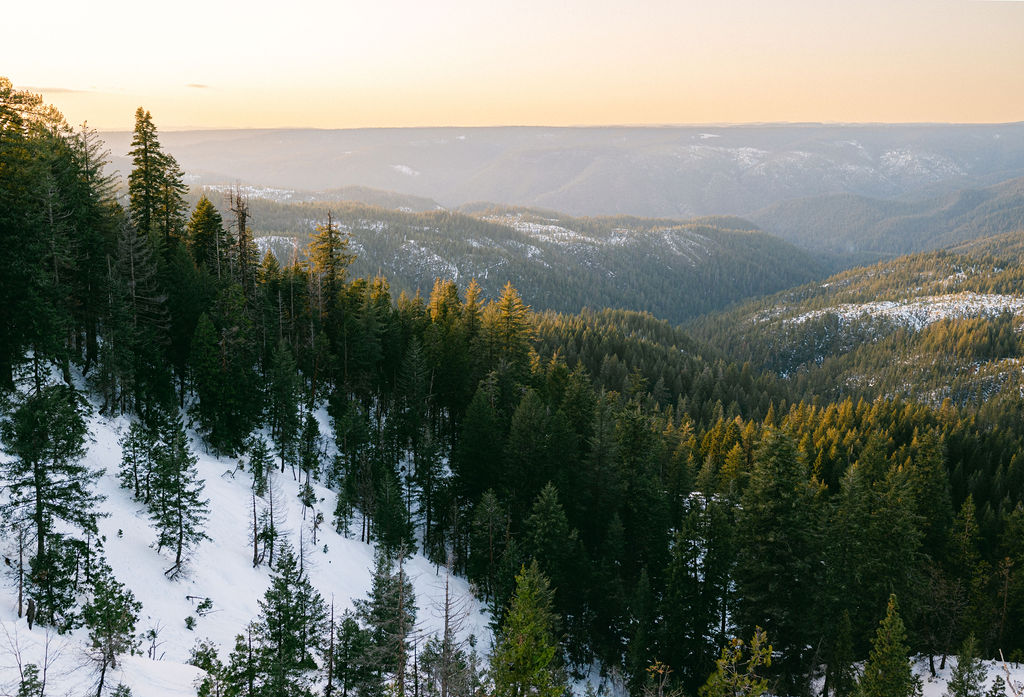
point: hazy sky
(354, 63)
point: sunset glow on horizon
(574, 62)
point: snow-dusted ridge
(220, 569)
(916, 313)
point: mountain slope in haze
(858, 225)
(347, 194)
(647, 171)
(931, 326)
(673, 269)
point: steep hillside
(221, 571)
(863, 228)
(931, 326)
(673, 269)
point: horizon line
(720, 125)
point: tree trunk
(21, 567)
(255, 534)
(103, 675)
(329, 690)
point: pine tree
(473, 460)
(696, 580)
(556, 549)
(329, 261)
(389, 615)
(204, 656)
(171, 205)
(283, 400)
(888, 672)
(487, 543)
(155, 187)
(24, 285)
(260, 463)
(539, 447)
(874, 539)
(207, 239)
(96, 222)
(738, 673)
(391, 523)
(133, 372)
(110, 616)
(137, 450)
(178, 509)
(998, 688)
(242, 669)
(189, 291)
(30, 684)
(224, 359)
(526, 655)
(289, 631)
(507, 332)
(969, 675)
(353, 673)
(309, 445)
(49, 487)
(779, 555)
(841, 675)
(144, 180)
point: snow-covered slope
(220, 569)
(915, 313)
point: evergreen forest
(714, 509)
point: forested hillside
(932, 327)
(674, 269)
(865, 229)
(628, 503)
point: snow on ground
(220, 569)
(919, 312)
(261, 192)
(936, 687)
(421, 258)
(270, 243)
(691, 246)
(544, 232)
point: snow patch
(920, 312)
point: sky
(387, 63)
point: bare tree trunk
(21, 567)
(329, 689)
(103, 675)
(255, 534)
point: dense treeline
(927, 327)
(676, 270)
(615, 491)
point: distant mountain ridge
(851, 224)
(646, 171)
